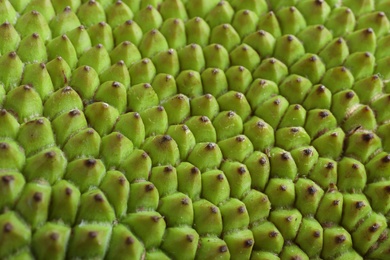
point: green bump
(379, 195)
(247, 17)
(94, 207)
(216, 56)
(295, 115)
(33, 203)
(291, 137)
(368, 88)
(259, 169)
(85, 81)
(315, 37)
(377, 167)
(173, 9)
(164, 85)
(314, 11)
(239, 78)
(200, 30)
(334, 53)
(149, 226)
(184, 138)
(318, 97)
(117, 13)
(139, 97)
(35, 135)
(189, 180)
(51, 240)
(128, 31)
(234, 215)
(282, 164)
(15, 233)
(116, 189)
(115, 148)
(96, 57)
(101, 33)
(227, 124)
(330, 209)
(226, 36)
(12, 184)
(64, 21)
(36, 75)
(178, 108)
(181, 242)
(305, 157)
(142, 71)
(308, 196)
(12, 69)
(162, 149)
(89, 240)
(310, 237)
(319, 121)
(65, 199)
(90, 13)
(215, 187)
(235, 101)
(267, 237)
(123, 243)
(173, 204)
(191, 58)
(341, 21)
(32, 49)
(212, 247)
(355, 208)
(207, 218)
(280, 192)
(148, 18)
(261, 41)
(310, 66)
(260, 133)
(220, 14)
(117, 72)
(62, 101)
(336, 241)
(214, 82)
(7, 31)
(244, 55)
(330, 144)
(83, 143)
(152, 43)
(240, 244)
(174, 32)
(96, 112)
(205, 156)
(362, 40)
(269, 22)
(260, 90)
(9, 126)
(33, 22)
(202, 128)
(366, 65)
(291, 20)
(24, 103)
(93, 172)
(155, 120)
(272, 110)
(166, 62)
(49, 165)
(287, 221)
(238, 177)
(143, 196)
(368, 144)
(205, 105)
(271, 69)
(257, 204)
(324, 172)
(288, 49)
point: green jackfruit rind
(248, 63)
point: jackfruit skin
(194, 129)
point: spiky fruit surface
(194, 129)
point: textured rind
(194, 129)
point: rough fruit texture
(194, 129)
